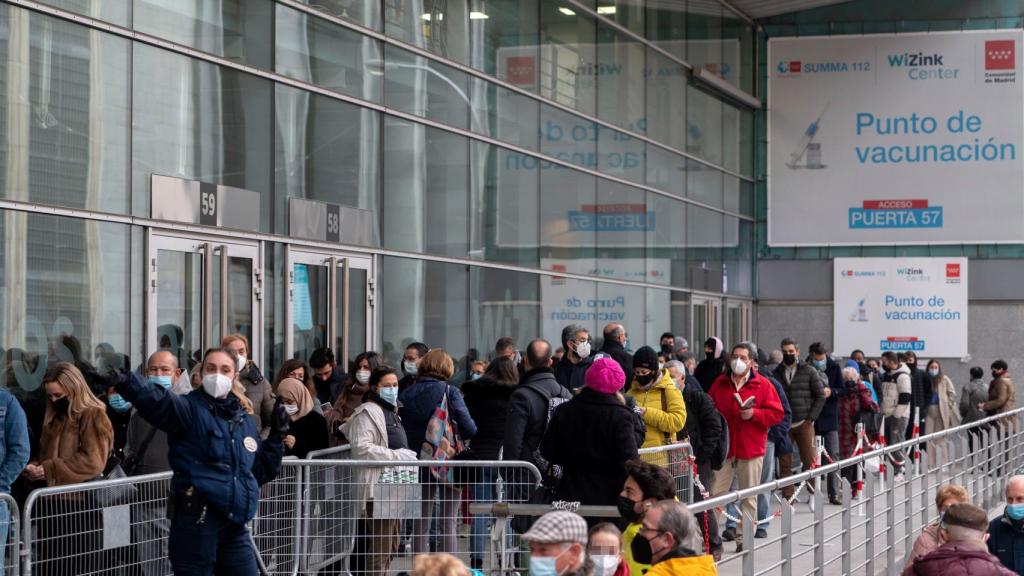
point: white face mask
(362, 376)
(583, 350)
(409, 366)
(217, 385)
(739, 367)
(241, 362)
(291, 409)
(605, 564)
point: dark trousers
(216, 544)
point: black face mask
(912, 365)
(641, 549)
(709, 355)
(645, 380)
(61, 405)
(627, 509)
(995, 374)
(789, 359)
(666, 348)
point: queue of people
(581, 419)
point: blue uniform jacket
(1006, 542)
(779, 434)
(213, 445)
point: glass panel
(239, 304)
(113, 11)
(704, 125)
(512, 206)
(357, 302)
(704, 245)
(739, 256)
(179, 313)
(621, 155)
(666, 27)
(657, 318)
(233, 29)
(622, 222)
(700, 323)
(326, 150)
(666, 101)
(423, 301)
(567, 301)
(320, 52)
(666, 171)
(425, 88)
(199, 121)
(309, 309)
(425, 210)
(568, 221)
(365, 12)
(619, 71)
(503, 303)
(567, 59)
(436, 25)
(65, 113)
(64, 285)
(704, 184)
(506, 45)
(568, 137)
(666, 241)
(681, 319)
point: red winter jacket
(747, 438)
(959, 559)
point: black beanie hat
(645, 357)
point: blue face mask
(1015, 511)
(118, 403)
(474, 376)
(933, 373)
(543, 566)
(164, 381)
(390, 395)
(820, 364)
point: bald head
(1015, 490)
(615, 333)
(163, 363)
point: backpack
(551, 473)
(721, 450)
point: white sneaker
(900, 478)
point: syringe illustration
(808, 146)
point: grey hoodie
(974, 393)
(896, 392)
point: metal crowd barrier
(875, 532)
(676, 458)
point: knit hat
(561, 525)
(606, 376)
(645, 357)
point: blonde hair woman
(74, 446)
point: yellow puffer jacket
(689, 565)
(659, 421)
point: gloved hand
(406, 454)
(115, 379)
(280, 421)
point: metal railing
(329, 513)
(874, 532)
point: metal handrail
(808, 475)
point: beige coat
(368, 436)
(74, 448)
(1000, 396)
(949, 412)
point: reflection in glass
(425, 88)
(65, 113)
(621, 74)
(327, 150)
(568, 233)
(568, 59)
(239, 295)
(60, 277)
(704, 240)
(309, 285)
(323, 53)
(439, 26)
(666, 241)
(357, 314)
(365, 12)
(233, 29)
(179, 313)
(198, 121)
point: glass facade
(518, 165)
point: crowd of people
(578, 414)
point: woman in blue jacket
(416, 405)
(219, 463)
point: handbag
(113, 495)
(441, 441)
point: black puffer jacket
(487, 401)
(591, 437)
(806, 392)
(703, 426)
(572, 376)
(623, 358)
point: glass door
(199, 290)
(738, 314)
(330, 304)
(706, 321)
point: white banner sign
(896, 139)
(900, 304)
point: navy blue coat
(779, 434)
(1006, 542)
(416, 404)
(828, 420)
(213, 445)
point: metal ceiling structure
(757, 9)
